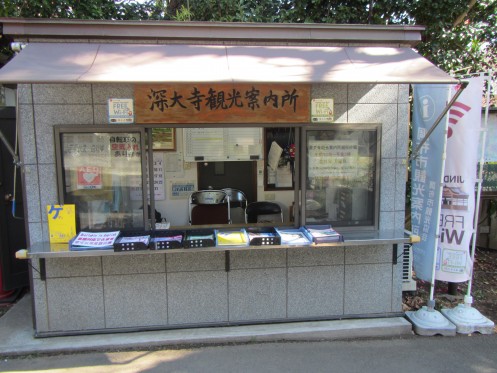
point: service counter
(102, 291)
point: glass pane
(103, 178)
(341, 174)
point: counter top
(48, 250)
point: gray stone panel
(387, 220)
(74, 267)
(368, 289)
(39, 298)
(27, 141)
(35, 233)
(258, 259)
(397, 283)
(32, 186)
(403, 130)
(45, 234)
(48, 187)
(130, 264)
(315, 256)
(257, 294)
(387, 184)
(368, 254)
(386, 114)
(62, 94)
(400, 184)
(341, 115)
(195, 261)
(366, 93)
(197, 297)
(315, 291)
(131, 301)
(102, 92)
(403, 94)
(47, 116)
(75, 303)
(24, 94)
(338, 92)
(101, 115)
(400, 220)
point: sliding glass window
(341, 176)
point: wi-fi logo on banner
(457, 111)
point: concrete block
(315, 291)
(197, 297)
(31, 183)
(39, 299)
(338, 92)
(258, 259)
(24, 94)
(62, 94)
(387, 184)
(368, 254)
(73, 267)
(75, 303)
(195, 261)
(132, 264)
(102, 92)
(366, 93)
(368, 289)
(315, 256)
(257, 294)
(48, 188)
(27, 141)
(130, 301)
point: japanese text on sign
(221, 102)
(337, 158)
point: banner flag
(426, 173)
(458, 197)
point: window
(102, 175)
(341, 176)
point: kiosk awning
(146, 63)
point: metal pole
(415, 152)
(468, 299)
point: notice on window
(333, 158)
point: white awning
(147, 63)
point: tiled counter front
(159, 290)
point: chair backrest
(237, 197)
(210, 214)
(209, 207)
(260, 208)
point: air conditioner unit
(408, 284)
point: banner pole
(468, 299)
(466, 318)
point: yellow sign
(61, 222)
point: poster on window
(89, 177)
(332, 158)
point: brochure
(94, 240)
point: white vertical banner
(454, 262)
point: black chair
(262, 208)
(209, 207)
(238, 203)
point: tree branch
(462, 16)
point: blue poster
(426, 173)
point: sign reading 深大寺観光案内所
(222, 103)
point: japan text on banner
(458, 196)
(426, 173)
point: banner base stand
(468, 320)
(429, 322)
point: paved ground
(407, 354)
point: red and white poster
(458, 195)
(89, 177)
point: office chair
(264, 209)
(209, 207)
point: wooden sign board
(222, 103)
